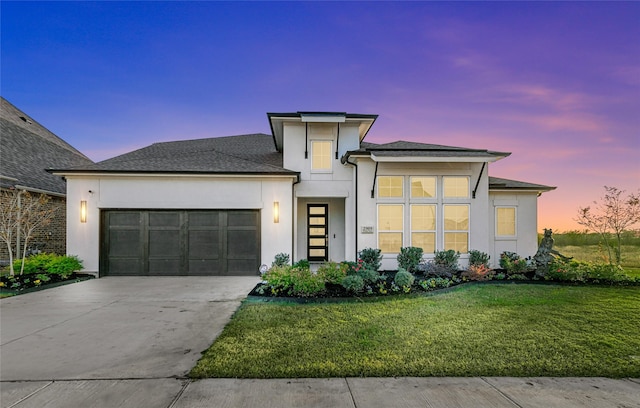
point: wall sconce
(276, 212)
(83, 211)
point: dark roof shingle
(29, 149)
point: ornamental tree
(614, 214)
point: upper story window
(321, 155)
(456, 187)
(423, 187)
(390, 186)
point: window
(456, 187)
(321, 155)
(423, 187)
(423, 227)
(390, 187)
(456, 227)
(505, 221)
(390, 227)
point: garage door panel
(204, 244)
(242, 219)
(124, 243)
(164, 219)
(204, 267)
(125, 267)
(164, 243)
(164, 267)
(241, 243)
(204, 219)
(180, 242)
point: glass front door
(318, 232)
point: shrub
(63, 265)
(353, 283)
(512, 263)
(293, 281)
(281, 259)
(432, 269)
(306, 283)
(371, 258)
(404, 279)
(333, 272)
(478, 258)
(435, 283)
(302, 264)
(478, 273)
(369, 276)
(409, 258)
(575, 271)
(448, 258)
(279, 279)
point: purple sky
(556, 83)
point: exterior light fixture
(83, 211)
(276, 212)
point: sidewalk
(494, 392)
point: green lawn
(474, 330)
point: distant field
(590, 248)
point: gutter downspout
(355, 165)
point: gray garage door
(188, 242)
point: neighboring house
(27, 149)
(314, 189)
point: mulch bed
(19, 284)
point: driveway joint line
(62, 322)
(30, 395)
(501, 393)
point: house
(27, 149)
(313, 189)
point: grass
(598, 253)
(474, 330)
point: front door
(318, 232)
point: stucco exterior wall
(367, 206)
(525, 242)
(177, 192)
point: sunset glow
(555, 83)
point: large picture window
(423, 227)
(423, 187)
(505, 221)
(456, 227)
(321, 155)
(390, 186)
(456, 187)
(390, 227)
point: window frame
(434, 231)
(329, 156)
(381, 231)
(435, 188)
(444, 188)
(446, 231)
(515, 222)
(379, 186)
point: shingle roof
(496, 183)
(28, 149)
(403, 148)
(244, 154)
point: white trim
(431, 159)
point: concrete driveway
(115, 327)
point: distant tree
(21, 212)
(613, 215)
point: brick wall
(50, 238)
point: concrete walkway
(130, 342)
